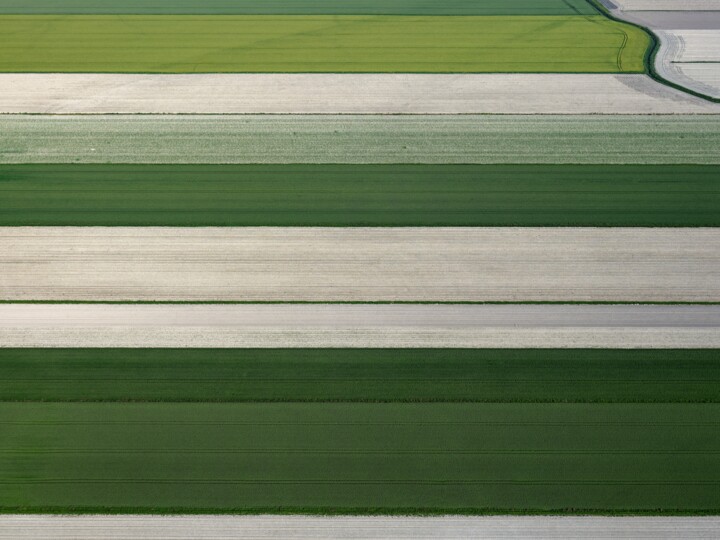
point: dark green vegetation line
(300, 7)
(360, 195)
(359, 375)
(473, 457)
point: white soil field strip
(346, 93)
(359, 264)
(360, 139)
(359, 325)
(665, 5)
(208, 527)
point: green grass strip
(346, 457)
(319, 44)
(301, 7)
(360, 375)
(360, 195)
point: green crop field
(321, 139)
(302, 7)
(348, 457)
(522, 375)
(319, 43)
(357, 195)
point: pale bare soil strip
(359, 264)
(343, 94)
(359, 325)
(666, 5)
(208, 527)
(359, 139)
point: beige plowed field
(359, 325)
(359, 264)
(347, 93)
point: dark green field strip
(355, 375)
(535, 457)
(356, 195)
(301, 7)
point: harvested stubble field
(359, 195)
(352, 375)
(302, 7)
(318, 43)
(390, 457)
(293, 139)
(413, 326)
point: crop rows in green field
(552, 139)
(348, 457)
(359, 195)
(357, 375)
(301, 7)
(318, 43)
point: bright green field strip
(511, 457)
(236, 43)
(359, 195)
(484, 375)
(552, 139)
(301, 7)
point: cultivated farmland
(254, 139)
(303, 7)
(360, 264)
(327, 93)
(357, 375)
(359, 326)
(359, 195)
(319, 43)
(395, 457)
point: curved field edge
(656, 44)
(330, 44)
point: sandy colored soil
(346, 93)
(665, 5)
(43, 527)
(359, 264)
(360, 139)
(335, 325)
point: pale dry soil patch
(321, 93)
(359, 325)
(208, 527)
(359, 264)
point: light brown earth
(355, 528)
(318, 93)
(359, 264)
(359, 325)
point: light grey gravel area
(328, 93)
(360, 325)
(360, 264)
(44, 527)
(360, 139)
(665, 5)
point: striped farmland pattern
(342, 294)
